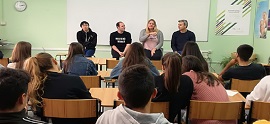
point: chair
(70, 108)
(157, 64)
(4, 62)
(243, 85)
(155, 107)
(259, 110)
(216, 110)
(110, 64)
(91, 81)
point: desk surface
(106, 95)
(237, 97)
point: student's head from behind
(120, 26)
(84, 25)
(191, 62)
(136, 86)
(135, 55)
(75, 48)
(182, 25)
(38, 67)
(171, 66)
(21, 52)
(191, 48)
(244, 52)
(13, 89)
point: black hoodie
(87, 39)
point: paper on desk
(231, 93)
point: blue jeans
(89, 52)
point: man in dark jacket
(13, 97)
(87, 38)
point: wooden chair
(155, 107)
(216, 110)
(157, 64)
(91, 81)
(243, 85)
(4, 62)
(259, 110)
(70, 108)
(110, 63)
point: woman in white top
(152, 40)
(20, 53)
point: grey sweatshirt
(144, 36)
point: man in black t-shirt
(120, 41)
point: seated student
(261, 91)
(136, 88)
(172, 86)
(192, 48)
(13, 97)
(246, 70)
(20, 53)
(206, 86)
(46, 82)
(76, 63)
(135, 55)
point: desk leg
(113, 85)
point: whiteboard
(103, 16)
(168, 12)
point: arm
(160, 39)
(129, 40)
(173, 43)
(143, 36)
(117, 69)
(230, 64)
(91, 68)
(113, 43)
(259, 91)
(94, 40)
(80, 38)
(153, 69)
(192, 37)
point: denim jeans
(89, 52)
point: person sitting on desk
(120, 41)
(179, 38)
(87, 38)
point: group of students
(151, 38)
(185, 77)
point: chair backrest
(259, 110)
(216, 110)
(155, 107)
(243, 85)
(70, 108)
(110, 64)
(157, 64)
(91, 81)
(4, 61)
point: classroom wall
(43, 24)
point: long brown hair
(134, 55)
(171, 63)
(192, 48)
(21, 52)
(191, 62)
(155, 28)
(74, 49)
(37, 68)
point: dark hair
(13, 83)
(74, 49)
(192, 48)
(185, 22)
(191, 62)
(84, 22)
(136, 85)
(38, 69)
(118, 24)
(21, 52)
(135, 55)
(245, 51)
(172, 71)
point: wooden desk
(106, 95)
(238, 97)
(104, 73)
(102, 61)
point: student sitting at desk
(76, 63)
(20, 53)
(136, 88)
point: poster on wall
(261, 19)
(233, 17)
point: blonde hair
(37, 68)
(155, 28)
(20, 53)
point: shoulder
(159, 32)
(66, 77)
(190, 32)
(114, 33)
(126, 32)
(143, 30)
